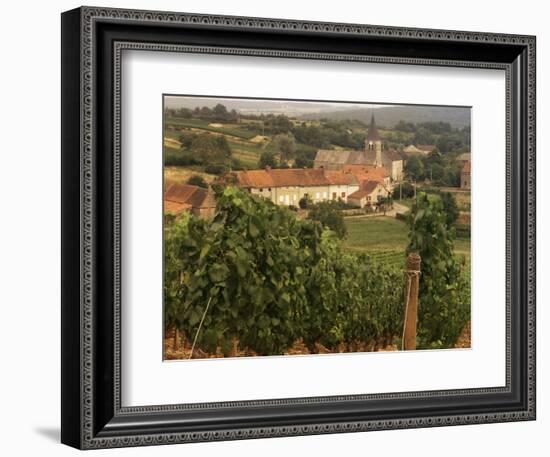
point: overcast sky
(265, 106)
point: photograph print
(296, 227)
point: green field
(386, 238)
(246, 145)
(375, 234)
(227, 129)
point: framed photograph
(274, 227)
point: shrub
(444, 301)
(197, 180)
(329, 215)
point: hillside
(389, 116)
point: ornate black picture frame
(92, 42)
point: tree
(211, 150)
(414, 168)
(268, 159)
(436, 172)
(330, 216)
(403, 190)
(450, 207)
(423, 136)
(197, 180)
(184, 113)
(444, 294)
(186, 139)
(305, 202)
(286, 145)
(205, 112)
(220, 112)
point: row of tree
(345, 133)
(442, 170)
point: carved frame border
(89, 15)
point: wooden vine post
(412, 275)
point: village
(271, 207)
(366, 183)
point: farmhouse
(186, 197)
(368, 195)
(289, 186)
(365, 173)
(463, 158)
(372, 154)
(419, 149)
(465, 175)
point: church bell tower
(373, 142)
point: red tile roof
(195, 196)
(367, 189)
(426, 147)
(292, 177)
(367, 172)
(175, 207)
(341, 178)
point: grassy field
(226, 129)
(246, 145)
(386, 237)
(182, 174)
(376, 234)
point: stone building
(465, 176)
(180, 197)
(464, 157)
(368, 195)
(289, 186)
(372, 154)
(419, 149)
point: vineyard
(257, 280)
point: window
(343, 195)
(261, 190)
(317, 195)
(334, 195)
(281, 199)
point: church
(372, 155)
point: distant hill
(259, 106)
(389, 116)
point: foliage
(268, 159)
(209, 149)
(271, 278)
(328, 213)
(404, 190)
(197, 180)
(305, 202)
(286, 146)
(414, 168)
(444, 292)
(450, 207)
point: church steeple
(373, 142)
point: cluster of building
(180, 197)
(373, 154)
(357, 185)
(357, 177)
